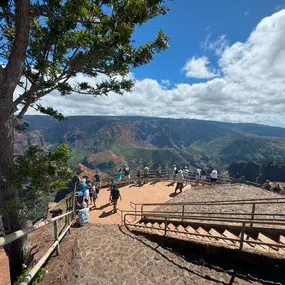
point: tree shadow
(153, 183)
(106, 214)
(170, 184)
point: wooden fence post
(55, 224)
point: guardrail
(167, 219)
(140, 207)
(69, 219)
(167, 174)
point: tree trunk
(12, 217)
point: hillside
(106, 142)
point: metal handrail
(240, 240)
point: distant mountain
(108, 142)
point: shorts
(213, 179)
(127, 177)
(203, 177)
(197, 177)
(145, 175)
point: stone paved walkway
(108, 256)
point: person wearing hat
(185, 174)
(180, 180)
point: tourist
(203, 176)
(139, 176)
(114, 197)
(84, 179)
(145, 174)
(185, 174)
(175, 172)
(82, 191)
(119, 176)
(97, 177)
(75, 182)
(180, 180)
(126, 172)
(158, 172)
(83, 214)
(86, 194)
(214, 176)
(267, 185)
(93, 195)
(198, 175)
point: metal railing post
(168, 174)
(165, 225)
(252, 213)
(55, 225)
(242, 236)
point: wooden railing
(69, 219)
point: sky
(226, 62)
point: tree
(43, 46)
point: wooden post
(252, 213)
(183, 208)
(168, 175)
(55, 225)
(242, 236)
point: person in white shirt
(214, 175)
(185, 174)
(198, 175)
(180, 179)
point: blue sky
(189, 23)
(226, 62)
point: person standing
(119, 176)
(139, 176)
(185, 174)
(145, 174)
(180, 180)
(214, 176)
(158, 172)
(175, 172)
(203, 176)
(198, 175)
(126, 172)
(97, 179)
(114, 197)
(86, 195)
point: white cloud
(165, 82)
(252, 88)
(198, 68)
(217, 46)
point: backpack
(176, 170)
(146, 171)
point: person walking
(126, 172)
(145, 174)
(185, 174)
(114, 197)
(158, 172)
(180, 180)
